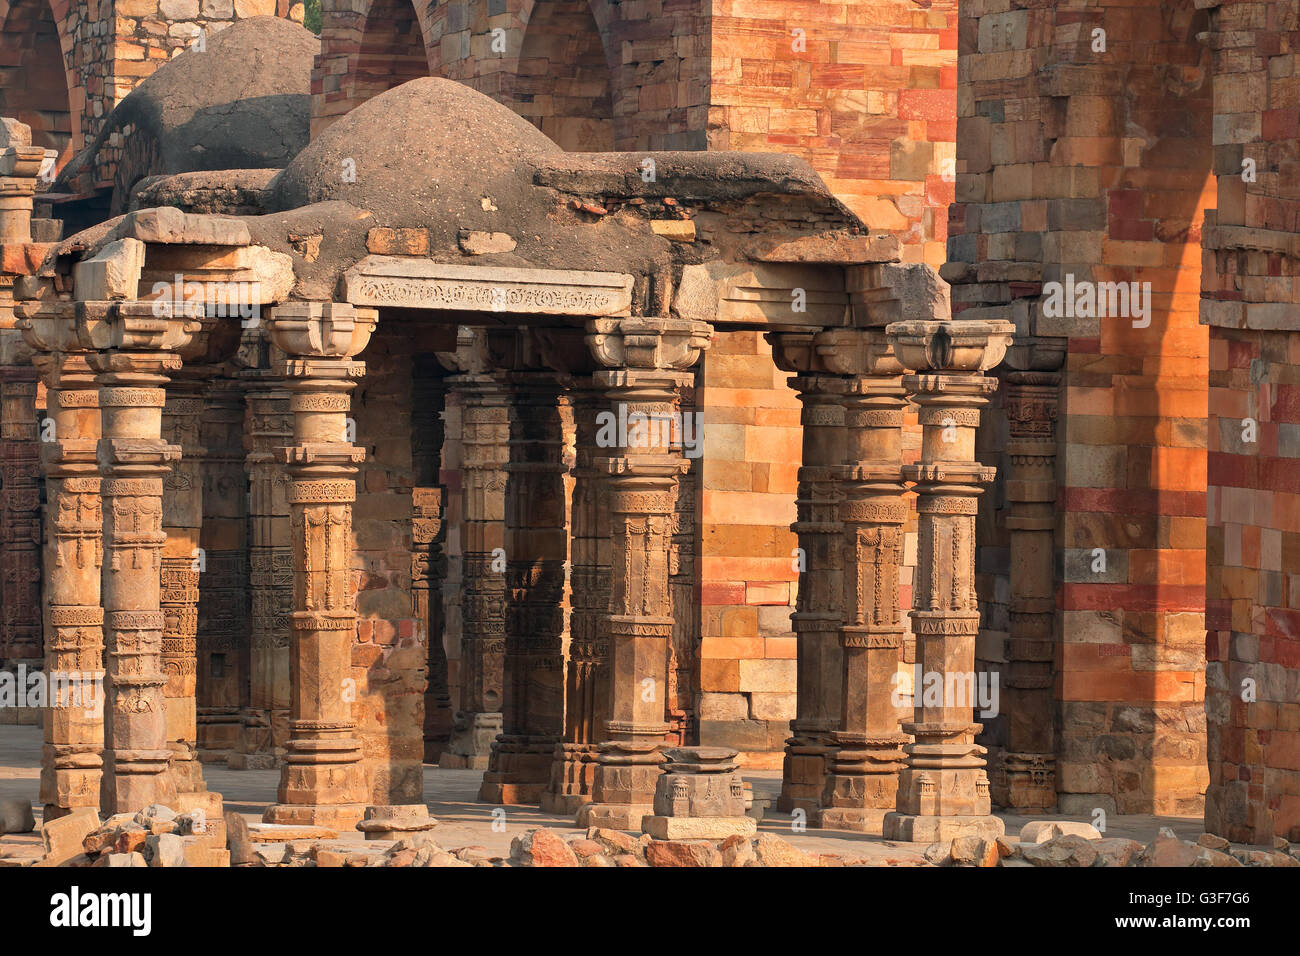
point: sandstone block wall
(1251, 297)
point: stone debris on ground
(159, 836)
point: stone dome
(430, 153)
(242, 102)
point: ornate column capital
(648, 343)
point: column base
(470, 745)
(803, 775)
(613, 816)
(628, 773)
(519, 770)
(1028, 782)
(910, 828)
(573, 772)
(394, 822)
(254, 748)
(340, 817)
(699, 796)
(187, 770)
(857, 819)
(243, 761)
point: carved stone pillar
(647, 359)
(20, 526)
(1028, 770)
(181, 563)
(323, 780)
(72, 755)
(944, 792)
(587, 679)
(224, 647)
(135, 352)
(485, 427)
(862, 772)
(819, 609)
(537, 548)
(428, 557)
(265, 731)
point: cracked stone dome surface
(429, 153)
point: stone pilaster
(224, 644)
(428, 555)
(264, 730)
(323, 780)
(819, 609)
(867, 754)
(944, 791)
(587, 677)
(537, 548)
(135, 352)
(485, 434)
(1027, 775)
(181, 564)
(73, 750)
(646, 359)
(20, 526)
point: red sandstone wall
(1096, 165)
(1251, 302)
(867, 94)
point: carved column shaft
(72, 755)
(819, 609)
(537, 548)
(587, 676)
(224, 649)
(647, 359)
(20, 523)
(428, 557)
(862, 783)
(323, 780)
(485, 435)
(181, 563)
(135, 358)
(270, 576)
(1029, 765)
(944, 792)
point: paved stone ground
(463, 821)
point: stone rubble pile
(160, 836)
(1065, 844)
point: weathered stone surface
(164, 850)
(682, 853)
(542, 848)
(1116, 852)
(1060, 851)
(773, 851)
(476, 243)
(16, 816)
(1167, 850)
(63, 837)
(1040, 831)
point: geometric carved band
(132, 397)
(132, 488)
(72, 616)
(642, 502)
(322, 491)
(875, 418)
(947, 505)
(320, 403)
(136, 620)
(79, 399)
(966, 417)
(870, 512)
(944, 626)
(314, 621)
